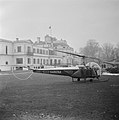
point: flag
(49, 27)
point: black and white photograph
(59, 59)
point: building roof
(4, 40)
(24, 41)
(40, 43)
(61, 44)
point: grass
(46, 97)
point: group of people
(92, 70)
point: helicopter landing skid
(95, 80)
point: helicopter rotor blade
(111, 63)
(70, 53)
(75, 54)
(83, 56)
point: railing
(29, 53)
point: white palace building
(25, 53)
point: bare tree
(91, 48)
(108, 52)
(117, 52)
(105, 52)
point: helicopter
(84, 71)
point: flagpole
(50, 30)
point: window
(29, 61)
(34, 50)
(43, 61)
(6, 49)
(50, 61)
(34, 61)
(59, 61)
(19, 49)
(46, 52)
(55, 62)
(19, 60)
(40, 51)
(29, 49)
(51, 52)
(37, 50)
(37, 61)
(47, 61)
(43, 51)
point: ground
(49, 97)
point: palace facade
(25, 53)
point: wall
(6, 56)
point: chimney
(17, 39)
(38, 39)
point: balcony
(29, 53)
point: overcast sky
(73, 20)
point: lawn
(46, 97)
